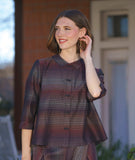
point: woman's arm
(92, 80)
(26, 139)
(29, 109)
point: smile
(62, 41)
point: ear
(82, 32)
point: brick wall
(37, 16)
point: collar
(62, 62)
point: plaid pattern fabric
(87, 152)
(56, 103)
(55, 153)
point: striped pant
(87, 152)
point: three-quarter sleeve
(31, 97)
(103, 89)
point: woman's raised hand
(86, 53)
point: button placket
(68, 96)
(67, 110)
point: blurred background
(7, 52)
(24, 28)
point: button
(67, 95)
(69, 80)
(67, 112)
(66, 128)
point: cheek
(74, 35)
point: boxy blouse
(57, 101)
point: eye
(67, 28)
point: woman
(59, 91)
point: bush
(113, 152)
(5, 107)
(131, 154)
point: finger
(86, 38)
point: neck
(69, 56)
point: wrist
(26, 152)
(26, 156)
(88, 60)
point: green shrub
(113, 152)
(5, 107)
(131, 154)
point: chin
(66, 47)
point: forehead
(64, 21)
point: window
(117, 26)
(114, 25)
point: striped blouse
(57, 101)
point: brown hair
(79, 19)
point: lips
(62, 41)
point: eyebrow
(64, 26)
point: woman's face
(66, 33)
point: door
(115, 66)
(113, 26)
